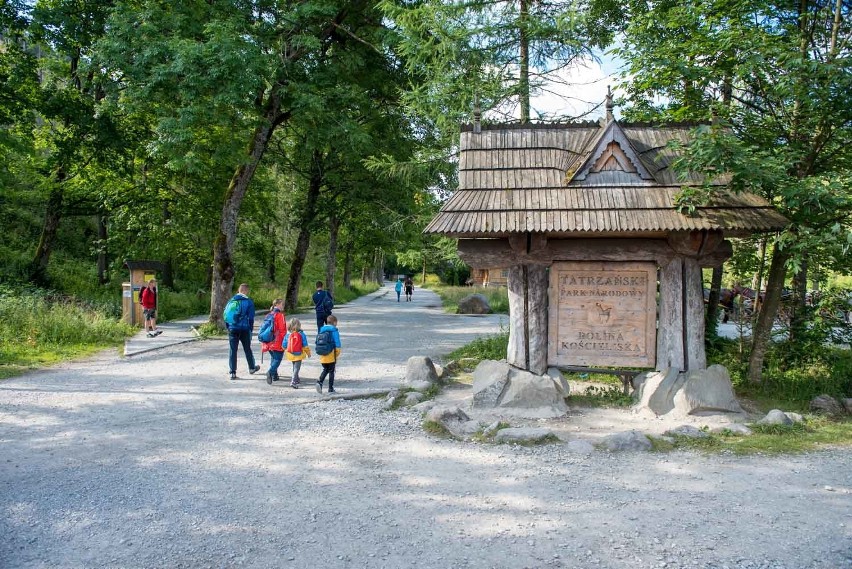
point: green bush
(498, 297)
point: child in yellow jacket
(328, 360)
(296, 349)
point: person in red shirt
(148, 300)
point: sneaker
(294, 385)
(254, 370)
(157, 332)
(319, 387)
(275, 377)
(332, 391)
(151, 334)
(233, 375)
(269, 378)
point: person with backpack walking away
(328, 349)
(296, 349)
(271, 337)
(409, 289)
(239, 319)
(323, 303)
(148, 300)
(398, 288)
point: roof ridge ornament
(609, 105)
(477, 115)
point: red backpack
(294, 343)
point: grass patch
(481, 437)
(498, 297)
(602, 396)
(437, 429)
(485, 348)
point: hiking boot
(232, 376)
(319, 387)
(331, 390)
(254, 370)
(275, 377)
(269, 379)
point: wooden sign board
(603, 313)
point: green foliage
(436, 429)
(602, 396)
(485, 348)
(498, 297)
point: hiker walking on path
(239, 319)
(323, 303)
(148, 300)
(409, 289)
(275, 347)
(297, 349)
(398, 288)
(328, 348)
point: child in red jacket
(276, 346)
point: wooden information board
(603, 313)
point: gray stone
(468, 427)
(775, 417)
(559, 380)
(532, 396)
(419, 385)
(687, 431)
(706, 390)
(656, 392)
(440, 371)
(522, 434)
(413, 398)
(444, 415)
(637, 382)
(628, 440)
(795, 417)
(847, 404)
(489, 380)
(423, 407)
(491, 429)
(580, 447)
(451, 366)
(826, 405)
(474, 304)
(419, 369)
(734, 428)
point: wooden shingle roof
(583, 178)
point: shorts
(149, 313)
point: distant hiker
(296, 348)
(239, 319)
(328, 349)
(323, 303)
(398, 288)
(275, 347)
(148, 300)
(409, 289)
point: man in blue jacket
(240, 330)
(323, 303)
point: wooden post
(528, 318)
(695, 356)
(670, 328)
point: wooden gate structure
(602, 268)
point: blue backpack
(267, 329)
(325, 342)
(233, 311)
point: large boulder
(826, 405)
(776, 417)
(559, 380)
(706, 391)
(534, 396)
(418, 370)
(444, 415)
(474, 304)
(656, 392)
(489, 379)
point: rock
(628, 440)
(413, 398)
(489, 380)
(734, 428)
(826, 405)
(776, 417)
(532, 396)
(491, 429)
(419, 369)
(795, 417)
(656, 391)
(390, 400)
(423, 407)
(559, 380)
(474, 304)
(522, 435)
(687, 431)
(440, 371)
(469, 427)
(847, 404)
(706, 390)
(420, 385)
(444, 415)
(580, 447)
(638, 380)
(451, 366)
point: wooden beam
(670, 328)
(693, 316)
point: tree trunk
(103, 275)
(798, 307)
(347, 264)
(524, 79)
(331, 262)
(763, 327)
(291, 299)
(52, 217)
(712, 323)
(273, 252)
(223, 246)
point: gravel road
(160, 461)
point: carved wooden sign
(603, 314)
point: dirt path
(160, 461)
